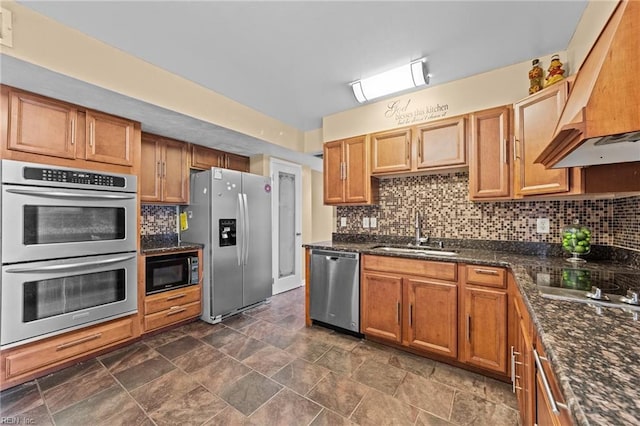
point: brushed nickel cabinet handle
(468, 328)
(545, 383)
(92, 134)
(486, 272)
(176, 296)
(513, 370)
(159, 170)
(79, 341)
(409, 149)
(505, 146)
(164, 169)
(175, 310)
(515, 149)
(398, 311)
(73, 131)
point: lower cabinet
(170, 307)
(522, 361)
(550, 405)
(410, 302)
(25, 362)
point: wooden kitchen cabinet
(438, 145)
(23, 363)
(484, 318)
(381, 305)
(164, 176)
(544, 411)
(489, 154)
(433, 316)
(170, 307)
(522, 362)
(41, 125)
(535, 118)
(410, 302)
(109, 139)
(347, 178)
(44, 130)
(442, 144)
(204, 158)
(391, 151)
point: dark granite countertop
(594, 354)
(165, 243)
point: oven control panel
(72, 176)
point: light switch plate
(365, 222)
(373, 222)
(343, 222)
(542, 225)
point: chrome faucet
(418, 225)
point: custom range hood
(600, 123)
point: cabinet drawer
(171, 316)
(487, 276)
(65, 347)
(166, 300)
(424, 268)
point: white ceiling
(293, 60)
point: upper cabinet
(433, 146)
(164, 171)
(108, 139)
(347, 178)
(441, 144)
(204, 158)
(391, 151)
(489, 159)
(64, 134)
(535, 120)
(41, 125)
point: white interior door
(287, 225)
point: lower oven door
(40, 299)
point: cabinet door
(381, 299)
(333, 172)
(432, 309)
(41, 126)
(236, 162)
(489, 159)
(175, 172)
(535, 121)
(205, 158)
(391, 151)
(442, 144)
(109, 139)
(357, 179)
(150, 169)
(485, 328)
(524, 369)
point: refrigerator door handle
(240, 241)
(247, 229)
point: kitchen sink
(416, 250)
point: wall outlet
(343, 222)
(365, 222)
(542, 225)
(373, 222)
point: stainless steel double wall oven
(69, 241)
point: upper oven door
(48, 223)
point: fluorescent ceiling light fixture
(392, 81)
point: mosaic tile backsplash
(158, 220)
(447, 213)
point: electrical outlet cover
(542, 225)
(343, 222)
(373, 222)
(365, 222)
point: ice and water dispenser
(227, 232)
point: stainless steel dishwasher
(335, 288)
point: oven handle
(63, 194)
(70, 266)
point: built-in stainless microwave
(169, 271)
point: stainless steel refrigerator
(230, 213)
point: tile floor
(262, 367)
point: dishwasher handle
(335, 255)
